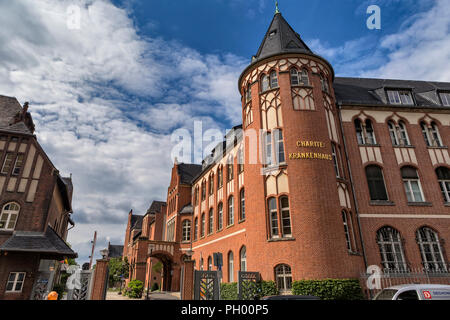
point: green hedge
(135, 289)
(229, 291)
(329, 289)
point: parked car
(290, 297)
(415, 292)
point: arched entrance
(167, 273)
(164, 253)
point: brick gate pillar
(187, 290)
(101, 275)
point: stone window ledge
(382, 203)
(420, 204)
(281, 239)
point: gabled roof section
(188, 172)
(48, 242)
(115, 251)
(366, 91)
(281, 38)
(14, 118)
(136, 221)
(155, 207)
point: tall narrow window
(18, 165)
(201, 263)
(347, 231)
(370, 132)
(324, 83)
(7, 164)
(443, 175)
(375, 180)
(241, 160)
(220, 177)
(391, 250)
(283, 277)
(268, 148)
(230, 211)
(220, 216)
(279, 146)
(203, 190)
(230, 171)
(273, 218)
(202, 228)
(265, 83)
(294, 77)
(304, 79)
(211, 184)
(285, 217)
(9, 215)
(186, 230)
(412, 184)
(393, 133)
(426, 134)
(273, 80)
(359, 132)
(195, 228)
(210, 221)
(404, 139)
(435, 135)
(243, 256)
(15, 282)
(248, 94)
(242, 207)
(230, 267)
(335, 160)
(210, 265)
(431, 250)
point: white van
(415, 292)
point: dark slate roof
(155, 207)
(187, 209)
(136, 221)
(281, 38)
(47, 242)
(367, 91)
(188, 172)
(9, 108)
(115, 251)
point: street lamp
(104, 253)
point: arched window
(283, 276)
(195, 228)
(211, 183)
(279, 146)
(431, 250)
(375, 180)
(243, 256)
(230, 171)
(220, 216)
(265, 83)
(202, 228)
(285, 216)
(273, 79)
(435, 134)
(393, 133)
(370, 134)
(241, 160)
(273, 217)
(9, 215)
(230, 267)
(242, 205)
(210, 221)
(186, 230)
(220, 177)
(431, 135)
(195, 196)
(304, 78)
(391, 249)
(412, 184)
(230, 211)
(335, 160)
(210, 265)
(201, 263)
(426, 134)
(268, 149)
(443, 175)
(324, 83)
(404, 139)
(203, 190)
(295, 81)
(248, 93)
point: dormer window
(445, 98)
(400, 97)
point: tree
(157, 267)
(118, 268)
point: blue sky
(107, 97)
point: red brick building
(325, 177)
(35, 204)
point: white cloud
(105, 102)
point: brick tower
(305, 220)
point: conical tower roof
(281, 38)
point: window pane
(416, 191)
(294, 77)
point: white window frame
(445, 98)
(395, 245)
(7, 163)
(407, 182)
(400, 97)
(437, 264)
(393, 133)
(230, 266)
(273, 213)
(282, 219)
(186, 230)
(243, 258)
(282, 272)
(9, 213)
(211, 221)
(15, 281)
(230, 217)
(220, 216)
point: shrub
(268, 288)
(135, 289)
(155, 286)
(329, 289)
(228, 291)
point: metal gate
(80, 286)
(42, 285)
(206, 285)
(248, 285)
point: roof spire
(277, 10)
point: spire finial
(277, 10)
